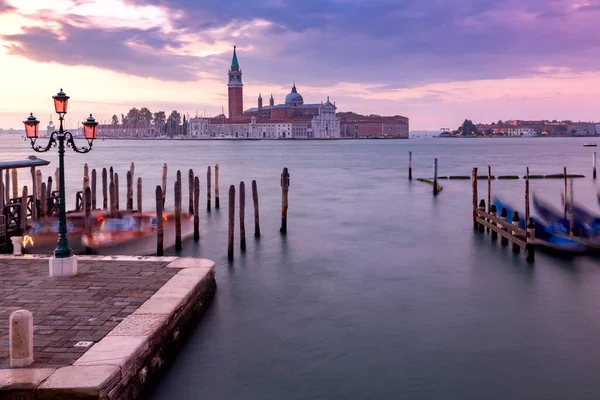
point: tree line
(172, 125)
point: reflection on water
(379, 290)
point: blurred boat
(548, 237)
(136, 234)
(590, 145)
(42, 235)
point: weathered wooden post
(208, 178)
(196, 208)
(15, 183)
(24, 210)
(285, 184)
(231, 226)
(504, 217)
(571, 214)
(139, 195)
(410, 165)
(86, 172)
(594, 172)
(256, 213)
(86, 183)
(129, 194)
(132, 170)
(2, 201)
(178, 177)
(242, 216)
(164, 183)
(34, 194)
(474, 199)
(49, 201)
(493, 212)
(489, 191)
(159, 220)
(88, 215)
(566, 197)
(104, 189)
(117, 191)
(435, 184)
(516, 222)
(7, 185)
(43, 201)
(530, 247)
(527, 214)
(482, 208)
(20, 333)
(38, 182)
(94, 189)
(217, 203)
(113, 206)
(111, 174)
(178, 214)
(191, 191)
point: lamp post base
(63, 266)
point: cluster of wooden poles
(482, 219)
(285, 184)
(438, 188)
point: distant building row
(545, 128)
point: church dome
(294, 98)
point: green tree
(468, 128)
(172, 124)
(115, 120)
(133, 116)
(159, 119)
(145, 116)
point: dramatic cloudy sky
(435, 61)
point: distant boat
(590, 145)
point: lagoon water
(379, 290)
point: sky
(434, 61)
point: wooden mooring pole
(571, 214)
(49, 202)
(24, 198)
(113, 205)
(191, 191)
(6, 186)
(117, 191)
(285, 184)
(410, 165)
(530, 247)
(256, 212)
(493, 213)
(34, 194)
(516, 222)
(139, 195)
(217, 203)
(196, 209)
(594, 162)
(208, 179)
(566, 195)
(159, 220)
(129, 199)
(489, 191)
(242, 216)
(178, 214)
(94, 189)
(164, 183)
(474, 200)
(482, 208)
(231, 225)
(15, 183)
(504, 217)
(527, 214)
(88, 215)
(43, 201)
(104, 189)
(435, 174)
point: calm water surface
(379, 290)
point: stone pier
(104, 333)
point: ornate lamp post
(59, 138)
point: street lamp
(59, 137)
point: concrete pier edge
(123, 363)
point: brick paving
(67, 310)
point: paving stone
(71, 309)
(23, 378)
(189, 262)
(139, 325)
(89, 380)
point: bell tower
(235, 88)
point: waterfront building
(128, 131)
(374, 126)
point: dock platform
(105, 332)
